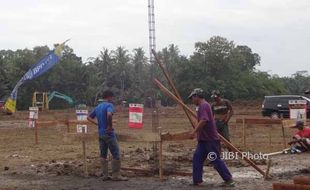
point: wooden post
(268, 169)
(270, 144)
(36, 131)
(84, 159)
(160, 156)
(283, 186)
(283, 134)
(301, 180)
(243, 133)
(68, 126)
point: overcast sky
(278, 30)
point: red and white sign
(298, 109)
(136, 116)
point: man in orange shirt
(301, 137)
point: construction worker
(301, 139)
(223, 111)
(107, 138)
(208, 145)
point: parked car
(277, 106)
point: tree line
(215, 64)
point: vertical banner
(136, 116)
(81, 115)
(36, 70)
(33, 115)
(298, 109)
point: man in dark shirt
(223, 111)
(107, 138)
(208, 141)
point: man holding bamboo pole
(208, 145)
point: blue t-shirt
(101, 112)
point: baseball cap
(299, 123)
(215, 93)
(196, 92)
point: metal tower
(152, 38)
(152, 46)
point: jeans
(210, 150)
(109, 142)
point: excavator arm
(61, 96)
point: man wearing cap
(208, 145)
(301, 139)
(223, 111)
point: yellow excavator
(42, 99)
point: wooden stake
(166, 91)
(283, 134)
(243, 133)
(36, 131)
(68, 126)
(268, 169)
(270, 144)
(84, 159)
(160, 157)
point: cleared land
(57, 164)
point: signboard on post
(81, 115)
(33, 116)
(298, 109)
(136, 116)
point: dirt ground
(57, 164)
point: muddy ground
(57, 164)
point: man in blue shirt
(107, 138)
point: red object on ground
(135, 116)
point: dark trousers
(210, 150)
(222, 129)
(109, 142)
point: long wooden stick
(231, 146)
(177, 94)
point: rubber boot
(116, 171)
(105, 170)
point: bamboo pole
(167, 92)
(177, 94)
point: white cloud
(276, 29)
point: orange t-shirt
(305, 133)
